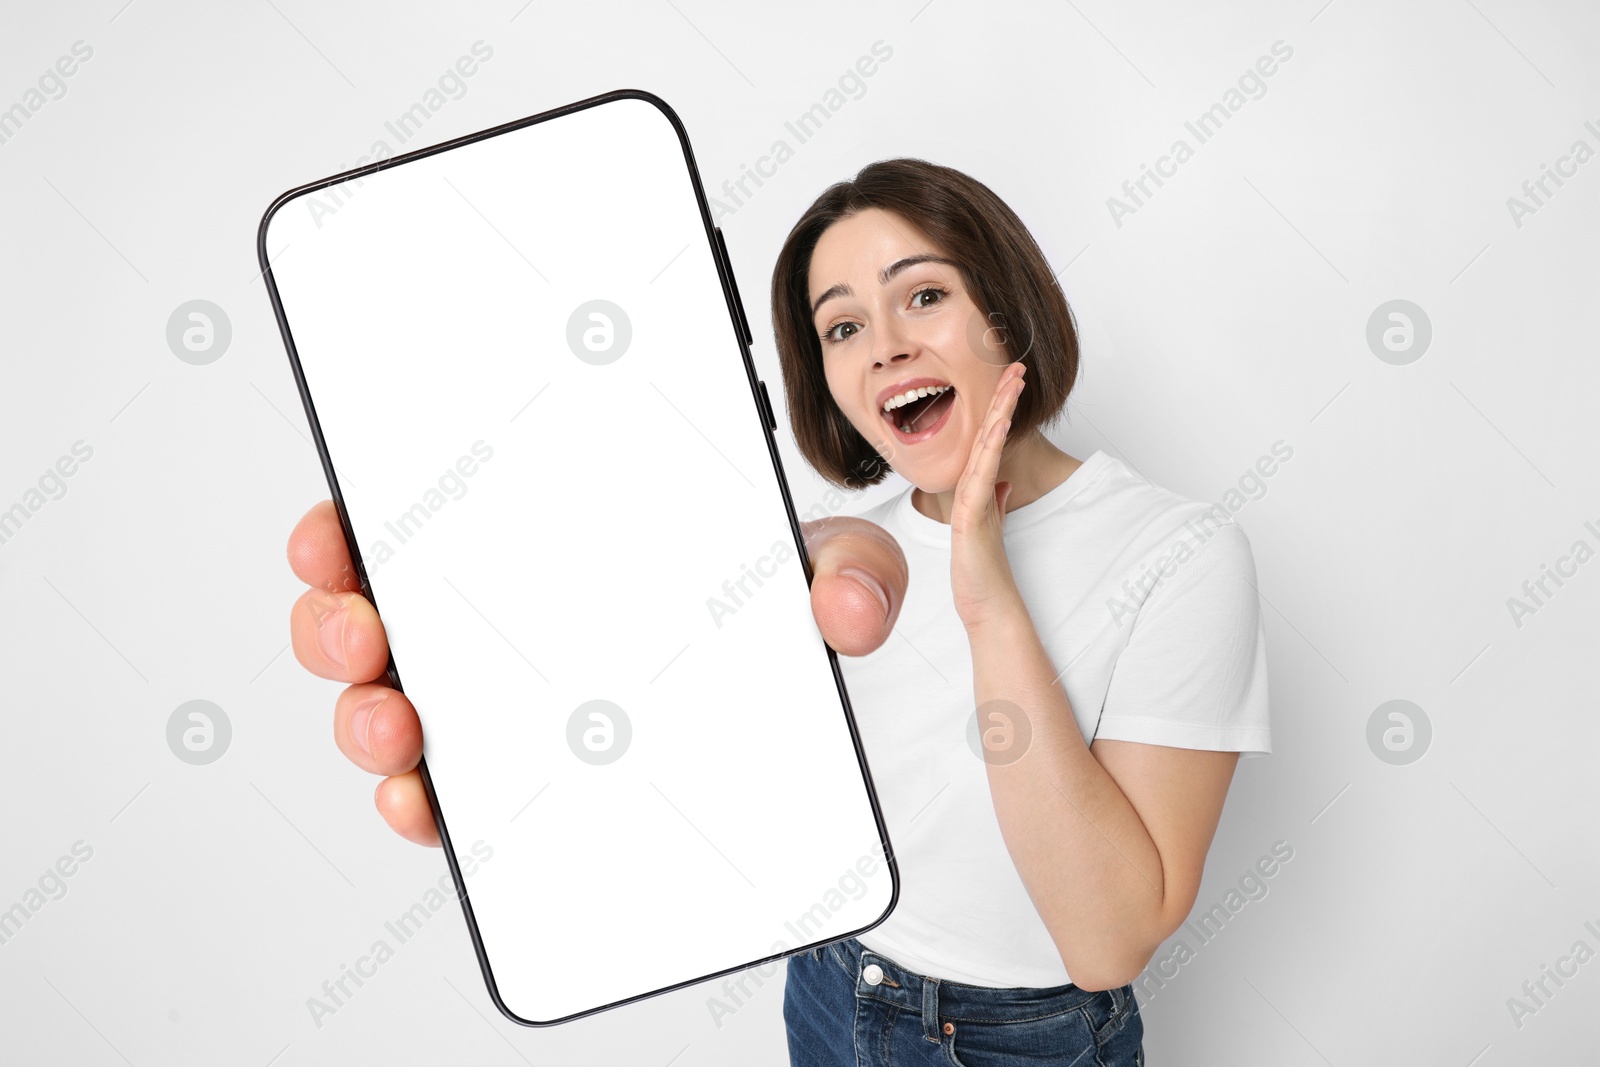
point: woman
(1037, 881)
(1050, 816)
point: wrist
(1003, 617)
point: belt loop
(1118, 995)
(930, 1008)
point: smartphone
(528, 375)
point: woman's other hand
(980, 575)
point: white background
(1229, 312)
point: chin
(917, 472)
(930, 482)
(931, 477)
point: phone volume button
(766, 403)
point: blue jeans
(846, 1006)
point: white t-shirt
(1148, 601)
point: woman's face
(889, 325)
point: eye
(942, 293)
(827, 336)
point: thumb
(1002, 491)
(857, 566)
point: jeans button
(872, 974)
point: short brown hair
(1000, 263)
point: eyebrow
(884, 276)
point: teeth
(912, 394)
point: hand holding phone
(387, 739)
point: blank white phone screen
(523, 368)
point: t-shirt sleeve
(1194, 671)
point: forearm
(1089, 865)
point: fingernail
(330, 634)
(361, 720)
(871, 583)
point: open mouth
(919, 418)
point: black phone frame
(764, 412)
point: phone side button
(766, 403)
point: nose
(892, 345)
(898, 357)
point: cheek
(835, 391)
(843, 398)
(986, 339)
(976, 394)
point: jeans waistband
(938, 1000)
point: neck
(1033, 466)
